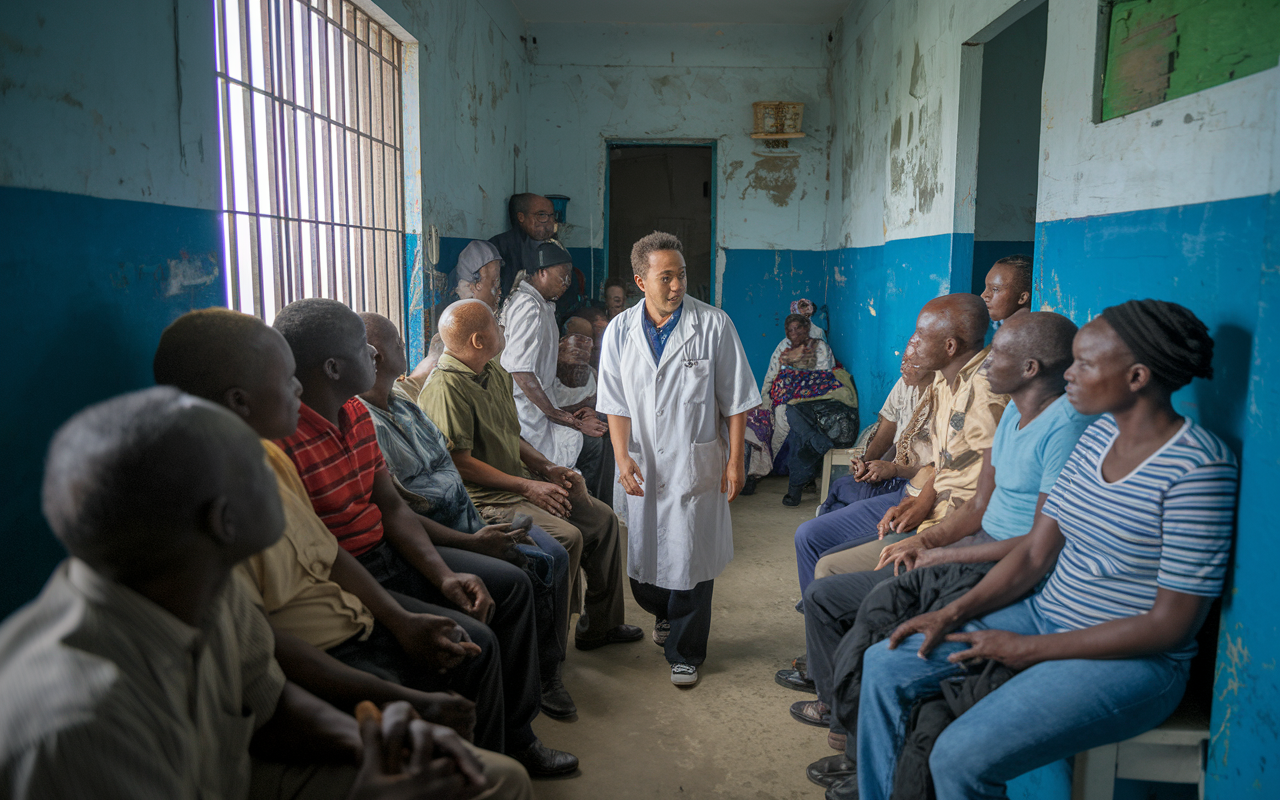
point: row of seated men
(1016, 569)
(421, 559)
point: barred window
(309, 103)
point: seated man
(575, 391)
(335, 451)
(898, 449)
(116, 681)
(947, 340)
(331, 618)
(1035, 436)
(532, 335)
(469, 397)
(418, 457)
(1103, 654)
(1008, 288)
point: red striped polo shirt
(337, 465)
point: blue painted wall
(101, 279)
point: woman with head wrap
(1134, 539)
(476, 275)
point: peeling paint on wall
(188, 273)
(775, 176)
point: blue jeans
(1047, 712)
(853, 524)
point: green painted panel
(1161, 49)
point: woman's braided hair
(1168, 338)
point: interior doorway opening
(1009, 142)
(662, 187)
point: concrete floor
(637, 735)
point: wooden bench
(1175, 752)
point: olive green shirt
(477, 413)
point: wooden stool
(1175, 752)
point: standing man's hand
(630, 478)
(733, 478)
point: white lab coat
(679, 534)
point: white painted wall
(89, 100)
(592, 83)
(1212, 145)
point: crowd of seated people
(1030, 542)
(294, 522)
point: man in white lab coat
(676, 386)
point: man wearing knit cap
(533, 340)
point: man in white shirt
(533, 340)
(675, 383)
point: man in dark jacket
(533, 221)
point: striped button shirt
(1167, 524)
(104, 694)
(337, 465)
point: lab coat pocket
(697, 374)
(706, 466)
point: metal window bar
(309, 104)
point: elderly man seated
(418, 457)
(471, 400)
(116, 681)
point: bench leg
(1095, 774)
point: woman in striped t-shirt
(1139, 526)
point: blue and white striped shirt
(1167, 524)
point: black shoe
(792, 497)
(795, 679)
(846, 789)
(811, 487)
(541, 761)
(750, 486)
(556, 702)
(619, 635)
(827, 772)
(811, 712)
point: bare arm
(344, 686)
(406, 535)
(628, 470)
(528, 383)
(871, 466)
(882, 441)
(735, 471)
(959, 523)
(548, 496)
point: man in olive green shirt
(470, 398)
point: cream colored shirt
(964, 423)
(290, 580)
(104, 694)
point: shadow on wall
(94, 284)
(1221, 401)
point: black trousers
(512, 633)
(688, 611)
(596, 464)
(480, 677)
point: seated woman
(803, 369)
(476, 275)
(1139, 527)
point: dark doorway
(662, 188)
(1009, 142)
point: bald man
(470, 398)
(117, 680)
(1034, 438)
(418, 456)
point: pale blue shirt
(1027, 462)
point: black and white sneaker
(684, 674)
(661, 630)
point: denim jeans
(808, 444)
(1047, 712)
(853, 524)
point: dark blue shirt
(658, 336)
